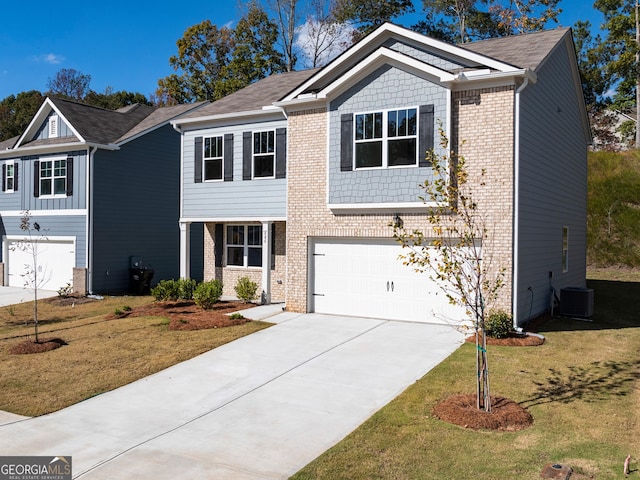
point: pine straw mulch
(506, 415)
(182, 315)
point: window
(386, 139)
(213, 158)
(53, 177)
(53, 126)
(565, 249)
(10, 173)
(244, 245)
(264, 154)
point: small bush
(127, 308)
(65, 291)
(186, 288)
(246, 289)
(499, 324)
(172, 290)
(236, 316)
(207, 294)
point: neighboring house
(103, 187)
(328, 159)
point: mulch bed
(186, 315)
(513, 340)
(31, 346)
(506, 415)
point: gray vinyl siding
(257, 198)
(53, 226)
(12, 201)
(386, 88)
(553, 182)
(135, 210)
(63, 129)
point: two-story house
(297, 178)
(102, 187)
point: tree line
(275, 36)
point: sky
(125, 45)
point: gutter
(89, 233)
(55, 148)
(516, 203)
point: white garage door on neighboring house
(55, 260)
(365, 278)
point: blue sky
(125, 45)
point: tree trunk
(483, 396)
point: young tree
(456, 251)
(35, 275)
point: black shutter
(346, 142)
(4, 177)
(15, 177)
(69, 176)
(247, 154)
(36, 178)
(197, 165)
(228, 157)
(218, 249)
(281, 153)
(426, 128)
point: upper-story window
(53, 126)
(264, 154)
(10, 177)
(386, 138)
(213, 158)
(53, 177)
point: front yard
(581, 386)
(106, 348)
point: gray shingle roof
(255, 96)
(9, 143)
(159, 117)
(525, 51)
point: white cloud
(322, 41)
(50, 58)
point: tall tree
(287, 16)
(619, 50)
(69, 83)
(367, 15)
(114, 100)
(17, 111)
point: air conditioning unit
(576, 302)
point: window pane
(378, 125)
(45, 169)
(59, 186)
(235, 235)
(263, 166)
(392, 124)
(60, 168)
(10, 170)
(254, 235)
(264, 142)
(255, 257)
(45, 187)
(402, 152)
(412, 121)
(235, 256)
(213, 169)
(368, 154)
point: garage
(365, 278)
(55, 259)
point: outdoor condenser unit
(576, 302)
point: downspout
(516, 201)
(89, 234)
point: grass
(101, 354)
(581, 387)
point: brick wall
(486, 126)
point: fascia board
(226, 117)
(389, 30)
(494, 79)
(59, 148)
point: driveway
(13, 295)
(260, 407)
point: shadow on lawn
(598, 381)
(615, 306)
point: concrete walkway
(260, 407)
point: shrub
(499, 324)
(246, 289)
(207, 294)
(65, 291)
(186, 288)
(173, 290)
(236, 316)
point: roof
(158, 117)
(255, 96)
(528, 50)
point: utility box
(576, 302)
(557, 471)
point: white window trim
(11, 163)
(205, 158)
(385, 138)
(245, 254)
(54, 126)
(254, 154)
(53, 177)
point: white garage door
(55, 261)
(366, 279)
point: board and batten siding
(136, 208)
(63, 129)
(553, 185)
(257, 198)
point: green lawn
(581, 387)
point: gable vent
(53, 126)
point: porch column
(184, 249)
(266, 263)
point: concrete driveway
(260, 407)
(14, 295)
